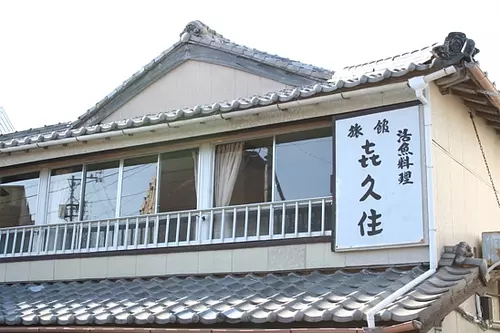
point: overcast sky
(59, 58)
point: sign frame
(424, 145)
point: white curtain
(228, 161)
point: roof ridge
(391, 58)
(454, 47)
(201, 30)
(196, 31)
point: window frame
(38, 192)
(206, 162)
(273, 161)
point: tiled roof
(45, 130)
(382, 71)
(340, 297)
(399, 65)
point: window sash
(205, 173)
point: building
(350, 200)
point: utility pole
(72, 206)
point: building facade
(340, 200)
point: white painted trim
(81, 197)
(204, 191)
(157, 189)
(119, 189)
(431, 223)
(273, 167)
(43, 196)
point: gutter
(421, 86)
(409, 326)
(229, 115)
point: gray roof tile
(338, 296)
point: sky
(58, 58)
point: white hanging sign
(379, 179)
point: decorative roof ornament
(201, 30)
(456, 47)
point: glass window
(138, 195)
(18, 200)
(303, 164)
(177, 188)
(64, 195)
(242, 175)
(178, 181)
(100, 192)
(243, 172)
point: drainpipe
(229, 115)
(421, 86)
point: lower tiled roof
(338, 296)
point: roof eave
(410, 326)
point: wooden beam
(466, 87)
(495, 125)
(482, 108)
(489, 117)
(478, 99)
(453, 82)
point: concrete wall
(259, 259)
(464, 200)
(193, 83)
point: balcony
(234, 224)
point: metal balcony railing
(244, 223)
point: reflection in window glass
(101, 187)
(243, 172)
(178, 181)
(177, 188)
(18, 200)
(242, 175)
(64, 195)
(303, 164)
(138, 195)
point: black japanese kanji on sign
(373, 225)
(355, 131)
(404, 160)
(370, 192)
(405, 178)
(369, 155)
(403, 135)
(382, 126)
